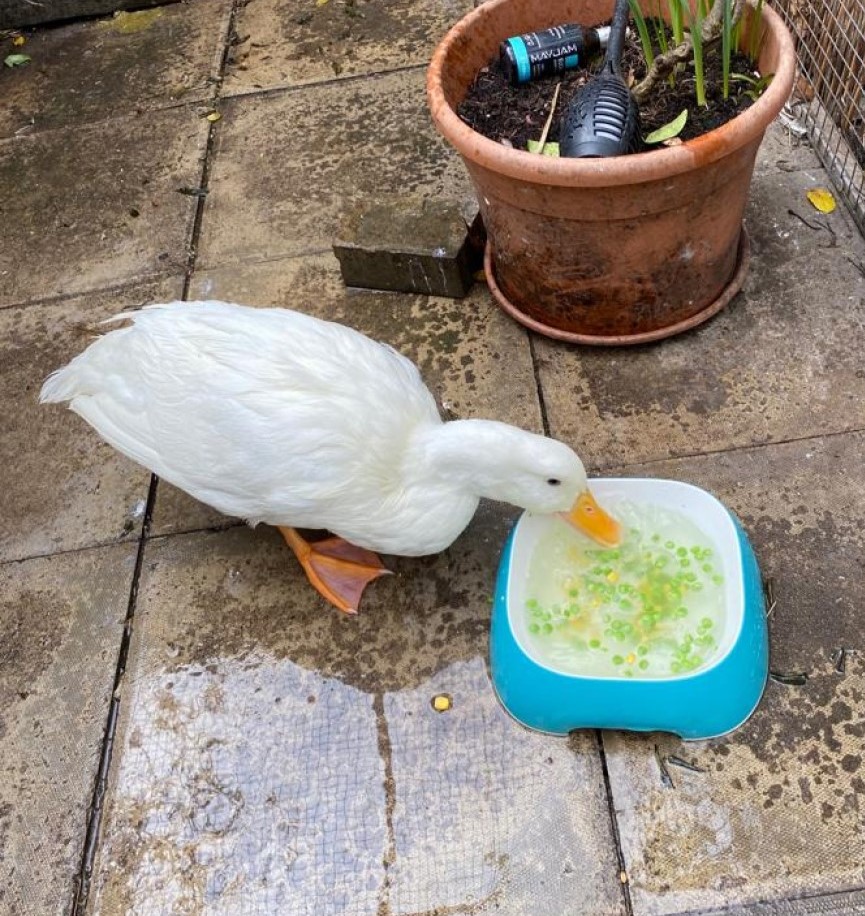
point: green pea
(656, 537)
(643, 664)
(675, 667)
(682, 552)
(626, 605)
(533, 628)
(629, 673)
(573, 592)
(642, 650)
(548, 628)
(717, 579)
(706, 623)
(594, 643)
(684, 562)
(669, 545)
(617, 659)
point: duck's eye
(553, 482)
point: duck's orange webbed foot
(337, 570)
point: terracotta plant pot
(607, 251)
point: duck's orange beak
(591, 519)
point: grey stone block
(411, 245)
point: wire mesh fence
(829, 98)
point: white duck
(278, 417)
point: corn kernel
(442, 702)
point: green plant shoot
(697, 42)
(677, 19)
(754, 31)
(643, 31)
(726, 44)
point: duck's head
(542, 475)
(546, 476)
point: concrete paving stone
(98, 205)
(286, 166)
(782, 361)
(292, 42)
(519, 830)
(264, 758)
(781, 150)
(61, 621)
(104, 68)
(777, 811)
(63, 488)
(473, 357)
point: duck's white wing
(263, 413)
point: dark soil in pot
(516, 114)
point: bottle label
(544, 53)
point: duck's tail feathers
(61, 385)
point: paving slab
(777, 811)
(61, 621)
(473, 357)
(782, 361)
(104, 68)
(63, 488)
(122, 217)
(293, 42)
(276, 756)
(286, 166)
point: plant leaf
(18, 40)
(16, 60)
(821, 199)
(668, 131)
(550, 149)
(213, 116)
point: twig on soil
(546, 129)
(665, 64)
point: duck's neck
(468, 455)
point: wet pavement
(271, 756)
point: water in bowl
(651, 608)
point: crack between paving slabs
(95, 809)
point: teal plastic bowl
(705, 703)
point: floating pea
(682, 552)
(706, 623)
(533, 628)
(643, 664)
(617, 659)
(594, 643)
(669, 545)
(547, 628)
(717, 579)
(642, 650)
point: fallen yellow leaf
(18, 40)
(821, 199)
(320, 2)
(213, 116)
